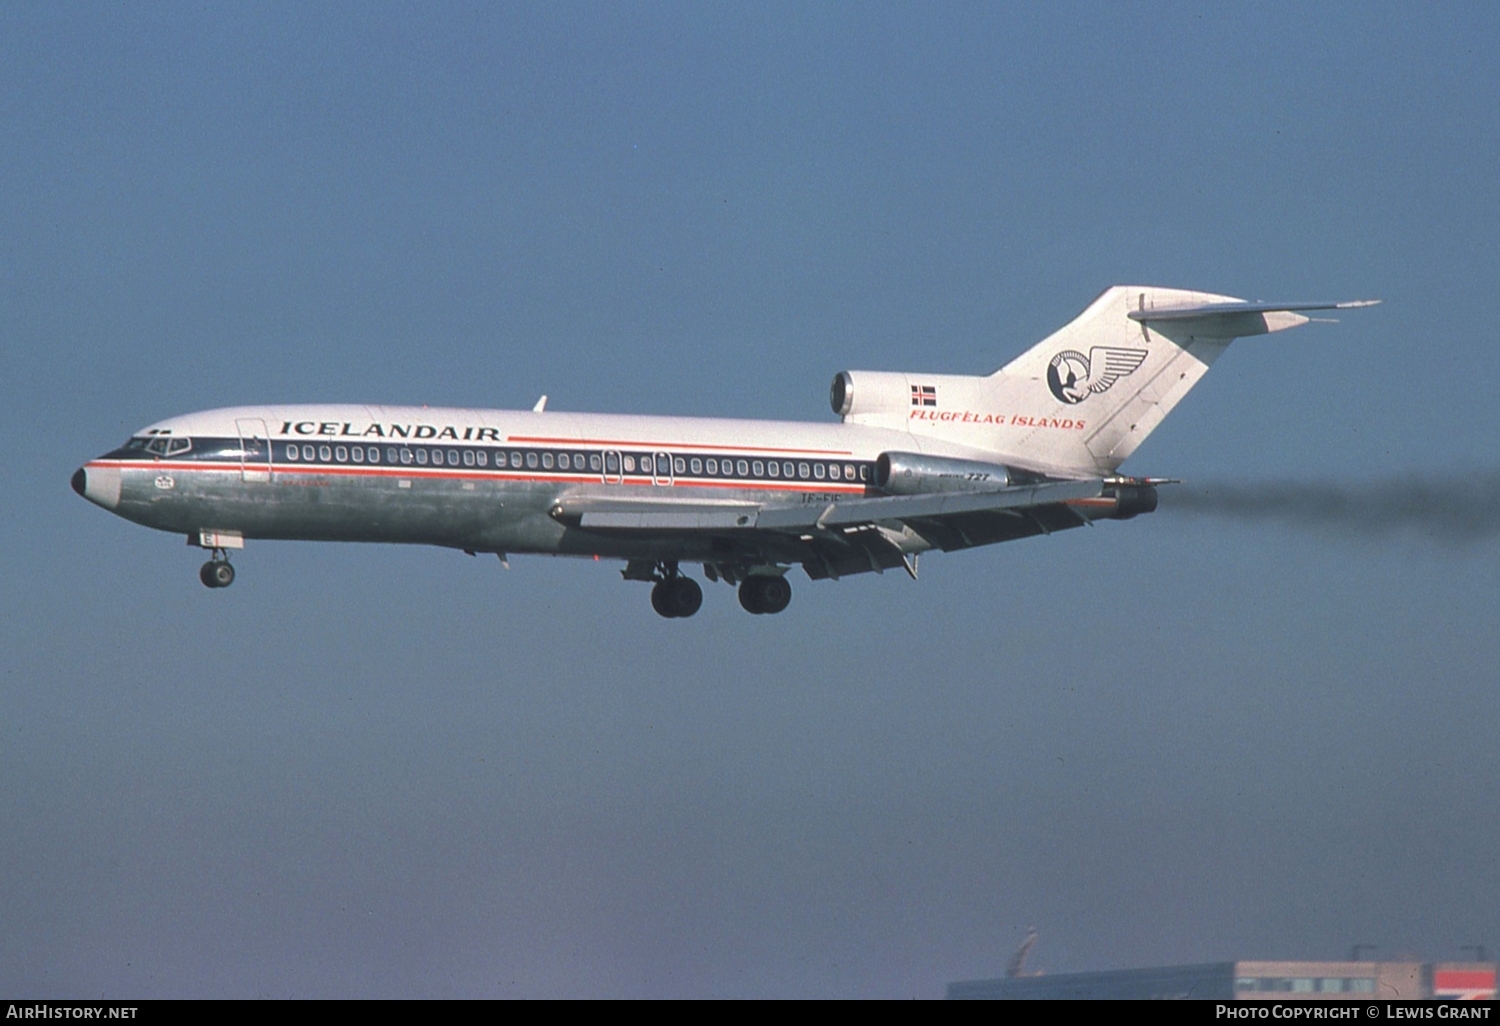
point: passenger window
(564, 461)
(697, 465)
(787, 470)
(774, 468)
(452, 457)
(612, 463)
(406, 457)
(743, 468)
(848, 472)
(818, 471)
(833, 471)
(758, 468)
(531, 460)
(422, 457)
(713, 466)
(679, 465)
(547, 460)
(391, 456)
(374, 455)
(803, 471)
(482, 458)
(630, 464)
(663, 465)
(341, 454)
(291, 452)
(325, 453)
(515, 460)
(358, 453)
(864, 472)
(578, 460)
(593, 462)
(468, 457)
(437, 458)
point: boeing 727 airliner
(919, 462)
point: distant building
(1251, 981)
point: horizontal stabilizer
(1237, 319)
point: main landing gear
(765, 593)
(217, 573)
(676, 596)
(672, 595)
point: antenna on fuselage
(541, 405)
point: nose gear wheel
(217, 573)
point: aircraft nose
(98, 484)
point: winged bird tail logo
(1073, 377)
(1108, 365)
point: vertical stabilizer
(1113, 376)
(1080, 401)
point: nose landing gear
(217, 573)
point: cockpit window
(166, 445)
(135, 444)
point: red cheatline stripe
(673, 445)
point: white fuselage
(480, 480)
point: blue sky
(379, 771)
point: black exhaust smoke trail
(1459, 509)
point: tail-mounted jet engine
(1131, 499)
(870, 393)
(910, 473)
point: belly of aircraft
(475, 515)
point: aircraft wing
(848, 535)
(704, 515)
(904, 508)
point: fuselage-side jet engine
(918, 462)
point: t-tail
(1082, 400)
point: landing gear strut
(765, 593)
(217, 573)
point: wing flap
(907, 507)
